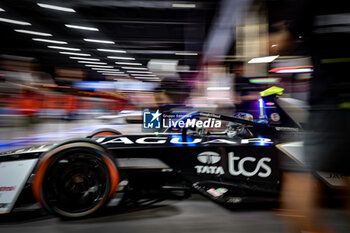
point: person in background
(323, 26)
(246, 94)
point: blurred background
(68, 67)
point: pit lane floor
(196, 214)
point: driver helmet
(244, 116)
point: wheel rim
(77, 182)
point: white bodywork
(14, 175)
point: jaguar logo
(209, 157)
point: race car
(235, 163)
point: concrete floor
(193, 215)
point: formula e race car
(235, 163)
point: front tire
(75, 179)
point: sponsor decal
(212, 170)
(177, 140)
(212, 192)
(209, 115)
(275, 116)
(208, 158)
(236, 166)
(221, 190)
(220, 141)
(7, 189)
(335, 176)
(333, 179)
(217, 192)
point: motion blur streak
(120, 59)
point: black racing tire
(104, 131)
(75, 179)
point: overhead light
(14, 21)
(112, 50)
(133, 68)
(104, 69)
(2, 9)
(81, 27)
(163, 65)
(218, 88)
(128, 63)
(291, 71)
(140, 72)
(99, 66)
(100, 41)
(53, 7)
(76, 54)
(91, 62)
(145, 75)
(50, 41)
(110, 71)
(63, 48)
(148, 78)
(115, 73)
(267, 59)
(183, 5)
(263, 80)
(33, 32)
(121, 58)
(83, 58)
(186, 54)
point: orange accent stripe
(114, 175)
(104, 133)
(39, 179)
